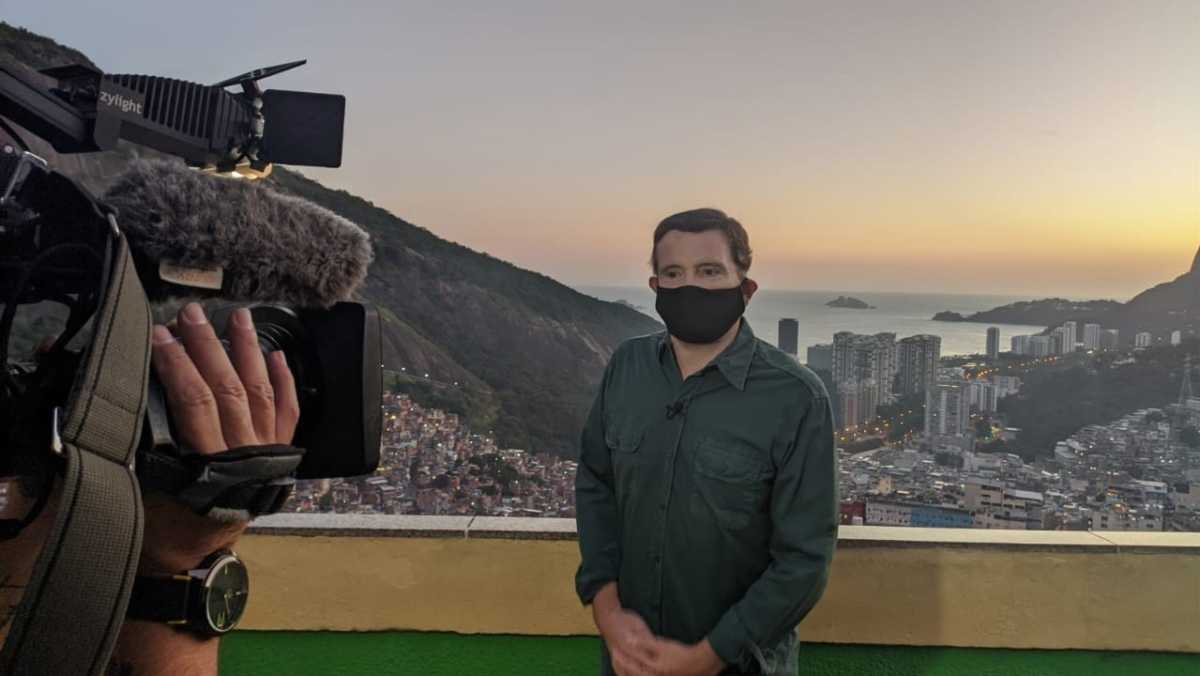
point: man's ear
(654, 283)
(749, 287)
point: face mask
(696, 315)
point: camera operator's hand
(218, 401)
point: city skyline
(848, 140)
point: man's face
(701, 259)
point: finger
(628, 665)
(193, 406)
(214, 366)
(622, 665)
(640, 655)
(644, 648)
(287, 403)
(248, 362)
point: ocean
(905, 314)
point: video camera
(56, 242)
(86, 414)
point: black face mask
(696, 315)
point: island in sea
(850, 302)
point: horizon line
(1117, 299)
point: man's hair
(703, 220)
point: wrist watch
(208, 601)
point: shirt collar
(733, 363)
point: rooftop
(342, 594)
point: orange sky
(1013, 147)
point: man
(706, 490)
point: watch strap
(161, 598)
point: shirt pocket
(624, 443)
(623, 440)
(731, 483)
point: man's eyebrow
(698, 264)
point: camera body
(334, 351)
(334, 358)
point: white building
(1069, 331)
(1040, 346)
(1005, 385)
(948, 413)
(981, 396)
(1058, 341)
(1020, 344)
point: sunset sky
(1040, 148)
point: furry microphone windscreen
(268, 246)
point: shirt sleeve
(804, 509)
(596, 505)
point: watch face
(226, 591)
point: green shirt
(712, 501)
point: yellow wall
(880, 592)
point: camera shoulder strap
(69, 617)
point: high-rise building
(917, 360)
(981, 395)
(1143, 339)
(1005, 386)
(1020, 345)
(857, 402)
(993, 342)
(862, 370)
(820, 357)
(1069, 330)
(948, 413)
(789, 336)
(1091, 336)
(1058, 341)
(1041, 346)
(886, 342)
(1176, 337)
(985, 395)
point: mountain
(515, 351)
(1170, 306)
(1036, 312)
